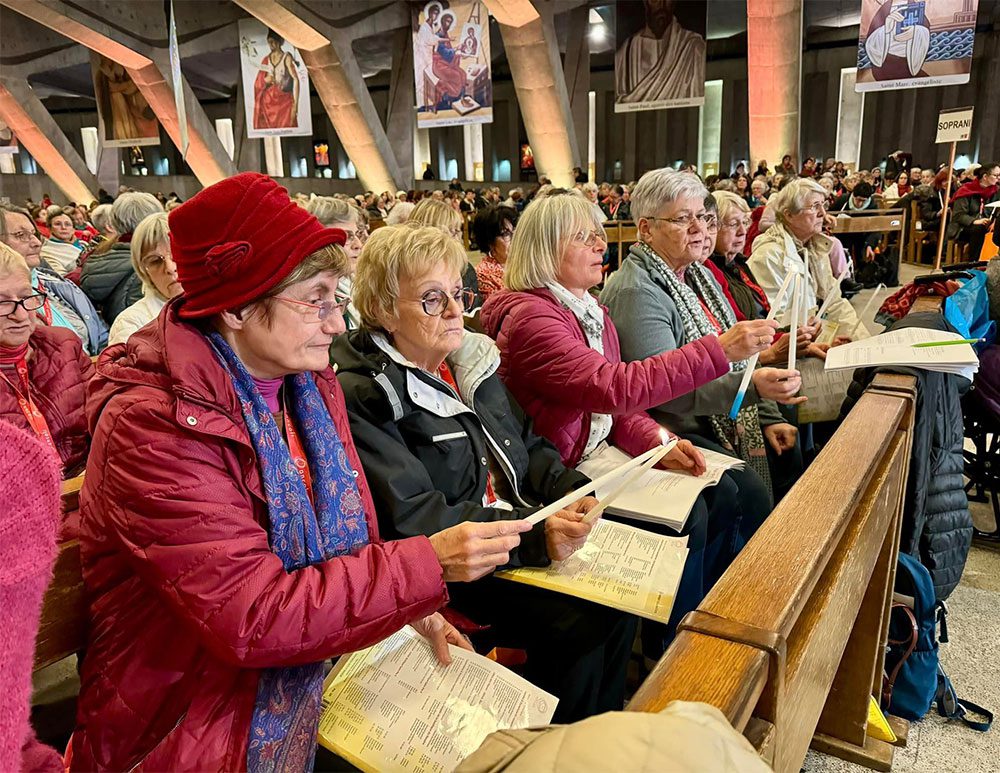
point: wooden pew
(789, 643)
(63, 628)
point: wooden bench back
(894, 222)
(789, 643)
(63, 628)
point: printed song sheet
(826, 390)
(896, 348)
(394, 707)
(620, 567)
(659, 496)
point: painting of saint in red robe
(276, 90)
(447, 63)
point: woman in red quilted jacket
(43, 370)
(228, 537)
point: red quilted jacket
(187, 601)
(560, 381)
(59, 371)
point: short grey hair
(330, 211)
(659, 187)
(100, 218)
(792, 198)
(132, 208)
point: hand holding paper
(472, 550)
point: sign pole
(944, 208)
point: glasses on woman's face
(31, 303)
(456, 233)
(590, 238)
(22, 237)
(706, 220)
(323, 308)
(507, 234)
(734, 223)
(435, 302)
(819, 208)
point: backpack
(914, 678)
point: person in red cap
(229, 541)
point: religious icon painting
(275, 84)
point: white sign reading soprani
(954, 125)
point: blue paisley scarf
(287, 708)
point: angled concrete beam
(38, 132)
(333, 68)
(100, 26)
(533, 56)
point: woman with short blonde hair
(154, 265)
(444, 216)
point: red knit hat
(237, 239)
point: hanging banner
(123, 114)
(275, 84)
(8, 140)
(905, 44)
(175, 76)
(451, 63)
(659, 55)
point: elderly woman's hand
(778, 351)
(440, 633)
(744, 339)
(565, 533)
(472, 550)
(583, 505)
(781, 437)
(684, 457)
(779, 385)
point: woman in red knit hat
(229, 540)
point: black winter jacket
(937, 524)
(110, 281)
(426, 452)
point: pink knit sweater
(29, 521)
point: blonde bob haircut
(330, 211)
(151, 232)
(394, 252)
(543, 231)
(729, 204)
(11, 262)
(437, 214)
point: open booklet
(659, 496)
(620, 566)
(392, 706)
(897, 348)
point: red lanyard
(445, 373)
(30, 410)
(711, 316)
(46, 307)
(298, 453)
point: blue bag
(968, 310)
(913, 677)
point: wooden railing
(789, 643)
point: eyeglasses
(507, 234)
(455, 232)
(31, 303)
(323, 308)
(590, 238)
(818, 208)
(435, 302)
(22, 236)
(685, 221)
(361, 235)
(732, 225)
(153, 259)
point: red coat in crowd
(58, 371)
(187, 601)
(560, 381)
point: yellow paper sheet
(394, 707)
(620, 566)
(826, 390)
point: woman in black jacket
(970, 220)
(442, 443)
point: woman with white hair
(107, 275)
(662, 299)
(343, 214)
(796, 243)
(155, 267)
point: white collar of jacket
(472, 363)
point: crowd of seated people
(367, 460)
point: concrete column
(533, 57)
(774, 64)
(472, 143)
(336, 76)
(106, 27)
(400, 119)
(576, 69)
(37, 131)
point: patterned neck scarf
(741, 435)
(286, 711)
